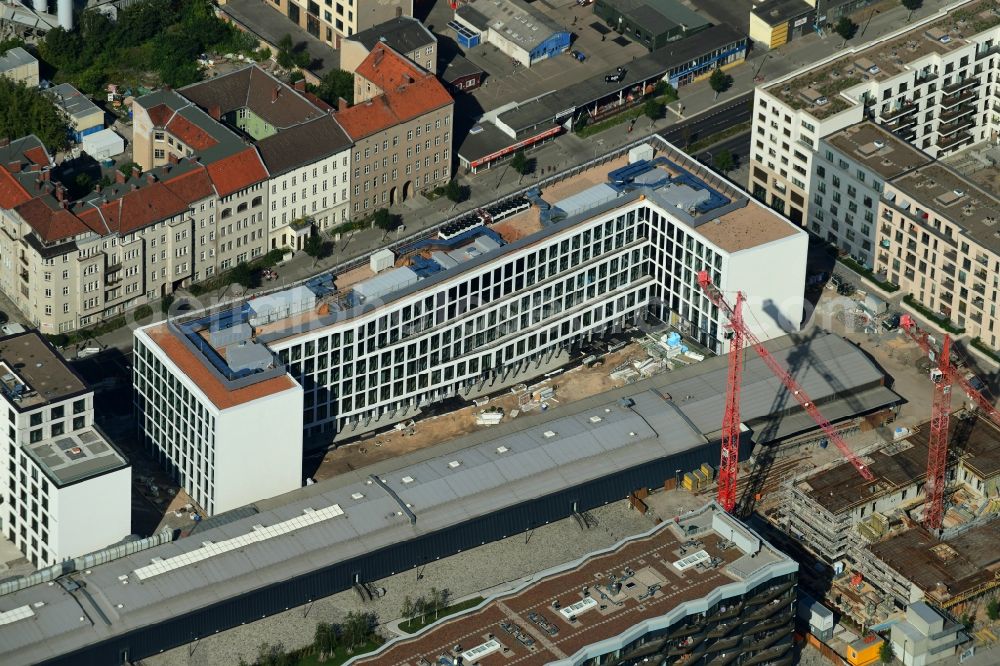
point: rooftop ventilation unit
(357, 496)
(454, 464)
(879, 144)
(549, 434)
(502, 449)
(407, 479)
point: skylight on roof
(502, 449)
(407, 479)
(454, 463)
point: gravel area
(490, 568)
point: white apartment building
(228, 430)
(930, 83)
(491, 303)
(65, 490)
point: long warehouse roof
(409, 497)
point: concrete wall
(775, 297)
(91, 514)
(258, 450)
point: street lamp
(870, 16)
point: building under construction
(863, 529)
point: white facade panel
(93, 514)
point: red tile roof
(160, 114)
(196, 370)
(191, 186)
(37, 155)
(408, 93)
(51, 224)
(189, 133)
(135, 210)
(236, 172)
(12, 194)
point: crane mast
(731, 419)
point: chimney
(136, 172)
(98, 187)
(119, 177)
(45, 175)
(134, 187)
(60, 194)
(215, 112)
(300, 85)
(399, 12)
(341, 104)
(173, 159)
(14, 167)
(4, 142)
(275, 93)
(150, 178)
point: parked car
(617, 77)
(579, 55)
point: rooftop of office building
(648, 578)
(516, 20)
(76, 456)
(943, 570)
(877, 149)
(973, 209)
(33, 373)
(679, 186)
(817, 88)
(402, 33)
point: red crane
(943, 376)
(730, 428)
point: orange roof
(196, 370)
(160, 114)
(408, 93)
(37, 155)
(191, 186)
(11, 192)
(190, 133)
(51, 224)
(237, 172)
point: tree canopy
(334, 85)
(520, 162)
(724, 161)
(720, 81)
(292, 55)
(153, 42)
(25, 110)
(845, 27)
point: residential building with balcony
(849, 175)
(405, 35)
(305, 151)
(939, 241)
(71, 264)
(493, 301)
(930, 83)
(401, 127)
(65, 490)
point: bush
(983, 347)
(868, 275)
(58, 339)
(166, 302)
(943, 322)
(143, 311)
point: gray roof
(458, 67)
(514, 20)
(76, 456)
(403, 34)
(440, 492)
(15, 57)
(72, 101)
(776, 12)
(226, 143)
(659, 16)
(444, 485)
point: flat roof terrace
(74, 457)
(877, 149)
(940, 33)
(962, 201)
(643, 578)
(32, 373)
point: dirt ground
(578, 383)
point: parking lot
(602, 48)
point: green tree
(435, 602)
(165, 303)
(407, 610)
(724, 161)
(291, 55)
(385, 220)
(357, 629)
(453, 191)
(720, 82)
(419, 608)
(314, 246)
(846, 28)
(26, 111)
(520, 162)
(885, 652)
(993, 610)
(654, 109)
(911, 6)
(272, 655)
(334, 85)
(968, 621)
(325, 639)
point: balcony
(953, 141)
(901, 123)
(987, 52)
(24, 274)
(950, 101)
(951, 255)
(980, 273)
(961, 84)
(956, 112)
(976, 317)
(979, 287)
(983, 260)
(905, 109)
(947, 129)
(948, 284)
